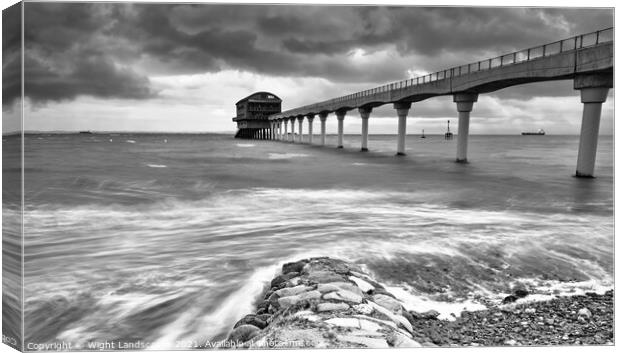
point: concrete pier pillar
(340, 116)
(364, 114)
(323, 118)
(402, 109)
(593, 89)
(310, 120)
(300, 120)
(285, 130)
(464, 105)
(293, 129)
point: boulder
(387, 302)
(364, 341)
(324, 277)
(293, 266)
(253, 320)
(321, 307)
(336, 286)
(363, 285)
(344, 295)
(243, 333)
(584, 313)
(509, 299)
(286, 302)
(400, 341)
(278, 280)
(430, 315)
(521, 293)
(288, 291)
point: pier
(586, 59)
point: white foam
(242, 145)
(157, 165)
(447, 310)
(130, 141)
(286, 155)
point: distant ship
(423, 136)
(539, 132)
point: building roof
(257, 96)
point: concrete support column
(310, 120)
(293, 129)
(464, 105)
(594, 89)
(364, 114)
(323, 118)
(402, 109)
(340, 116)
(279, 130)
(285, 130)
(300, 120)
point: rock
(343, 295)
(521, 293)
(399, 341)
(243, 333)
(324, 277)
(387, 302)
(549, 321)
(336, 286)
(509, 299)
(293, 267)
(344, 322)
(511, 342)
(398, 319)
(365, 309)
(278, 280)
(287, 292)
(294, 299)
(253, 320)
(529, 310)
(308, 315)
(430, 315)
(321, 307)
(363, 285)
(584, 313)
(365, 341)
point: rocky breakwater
(325, 303)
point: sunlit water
(169, 238)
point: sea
(159, 240)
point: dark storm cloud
(11, 58)
(108, 50)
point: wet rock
(322, 307)
(286, 292)
(286, 302)
(344, 295)
(243, 333)
(344, 322)
(363, 285)
(280, 279)
(293, 266)
(324, 277)
(336, 286)
(509, 299)
(430, 315)
(398, 319)
(584, 313)
(253, 320)
(521, 293)
(529, 311)
(387, 302)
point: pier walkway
(586, 59)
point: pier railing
(518, 57)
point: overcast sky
(180, 67)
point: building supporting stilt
(340, 116)
(300, 120)
(594, 89)
(464, 105)
(293, 129)
(285, 130)
(364, 114)
(323, 118)
(402, 109)
(310, 120)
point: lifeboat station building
(253, 114)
